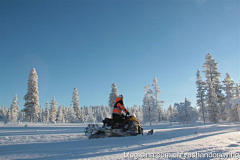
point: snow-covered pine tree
(113, 95)
(170, 114)
(237, 91)
(211, 70)
(32, 99)
(47, 113)
(90, 117)
(234, 113)
(53, 111)
(4, 110)
(65, 118)
(40, 114)
(14, 109)
(175, 113)
(165, 115)
(82, 115)
(159, 113)
(156, 102)
(235, 110)
(95, 112)
(149, 112)
(186, 113)
(99, 114)
(1, 110)
(137, 111)
(181, 112)
(201, 95)
(106, 112)
(22, 116)
(229, 88)
(85, 113)
(76, 105)
(3, 113)
(130, 110)
(9, 114)
(43, 115)
(60, 115)
(140, 114)
(64, 112)
(71, 115)
(214, 110)
(212, 83)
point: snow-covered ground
(67, 141)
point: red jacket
(118, 107)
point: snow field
(67, 141)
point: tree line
(215, 101)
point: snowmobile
(129, 126)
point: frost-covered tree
(186, 113)
(165, 115)
(31, 98)
(65, 118)
(113, 95)
(235, 110)
(201, 95)
(54, 110)
(47, 113)
(40, 114)
(174, 112)
(76, 105)
(234, 113)
(22, 116)
(159, 113)
(229, 88)
(170, 114)
(214, 110)
(230, 91)
(90, 116)
(149, 110)
(107, 112)
(60, 115)
(71, 115)
(14, 109)
(3, 117)
(156, 102)
(156, 89)
(98, 113)
(137, 111)
(139, 114)
(213, 84)
(237, 91)
(3, 110)
(82, 115)
(211, 70)
(9, 114)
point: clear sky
(92, 44)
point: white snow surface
(67, 141)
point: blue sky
(92, 44)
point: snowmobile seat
(108, 121)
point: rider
(118, 108)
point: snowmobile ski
(150, 132)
